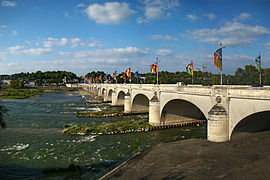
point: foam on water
(89, 138)
(17, 147)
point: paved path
(246, 156)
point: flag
(114, 75)
(189, 68)
(157, 61)
(258, 63)
(136, 74)
(100, 77)
(128, 72)
(218, 58)
(154, 68)
(124, 76)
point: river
(32, 146)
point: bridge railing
(234, 91)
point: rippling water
(33, 142)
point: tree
(17, 84)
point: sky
(98, 35)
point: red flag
(128, 73)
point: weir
(224, 107)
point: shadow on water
(93, 171)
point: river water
(33, 146)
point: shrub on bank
(106, 128)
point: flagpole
(260, 58)
(221, 78)
(221, 65)
(157, 77)
(260, 78)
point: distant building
(4, 82)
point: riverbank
(246, 156)
(19, 93)
(29, 93)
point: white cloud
(211, 16)
(95, 43)
(8, 4)
(231, 34)
(3, 56)
(166, 37)
(110, 12)
(30, 52)
(75, 42)
(113, 53)
(15, 49)
(3, 26)
(153, 13)
(55, 42)
(164, 52)
(64, 53)
(157, 9)
(66, 14)
(141, 20)
(14, 33)
(192, 17)
(267, 45)
(80, 5)
(242, 17)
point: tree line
(246, 76)
(41, 78)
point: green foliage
(16, 84)
(115, 127)
(247, 76)
(41, 78)
(20, 93)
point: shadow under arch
(121, 98)
(256, 122)
(110, 94)
(103, 91)
(178, 110)
(140, 103)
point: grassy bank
(19, 93)
(107, 128)
(99, 114)
(27, 93)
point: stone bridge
(225, 108)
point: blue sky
(83, 36)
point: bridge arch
(110, 94)
(245, 113)
(121, 98)
(179, 110)
(259, 121)
(103, 92)
(140, 103)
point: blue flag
(136, 74)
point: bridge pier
(127, 103)
(154, 111)
(105, 95)
(114, 98)
(218, 124)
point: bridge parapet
(239, 103)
